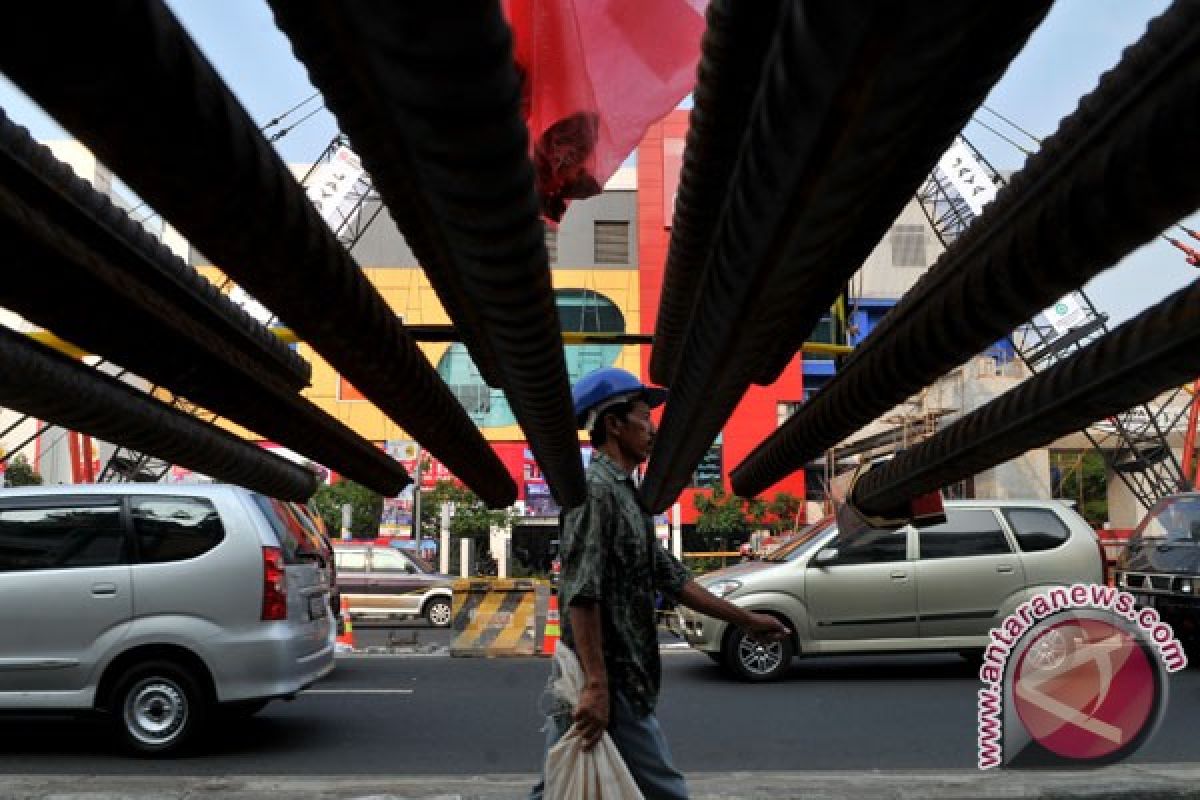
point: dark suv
(380, 581)
(1160, 566)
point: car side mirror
(826, 556)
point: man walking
(612, 565)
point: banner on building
(967, 175)
(336, 188)
(1069, 312)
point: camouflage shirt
(611, 555)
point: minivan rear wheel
(438, 612)
(157, 706)
(757, 661)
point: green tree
(1083, 477)
(20, 473)
(785, 510)
(470, 518)
(366, 507)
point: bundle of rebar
(1107, 182)
(84, 269)
(429, 94)
(183, 142)
(852, 111)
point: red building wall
(658, 163)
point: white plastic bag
(572, 773)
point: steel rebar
(429, 94)
(54, 388)
(87, 272)
(1157, 350)
(851, 114)
(128, 81)
(736, 41)
(1106, 182)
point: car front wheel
(157, 707)
(757, 661)
(438, 613)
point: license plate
(1143, 600)
(316, 607)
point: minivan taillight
(274, 605)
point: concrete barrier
(499, 617)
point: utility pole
(416, 508)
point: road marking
(357, 691)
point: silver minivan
(160, 605)
(937, 588)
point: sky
(1079, 40)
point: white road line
(357, 691)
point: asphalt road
(385, 715)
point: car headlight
(1187, 585)
(724, 588)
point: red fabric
(595, 75)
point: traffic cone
(345, 639)
(552, 632)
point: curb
(1145, 782)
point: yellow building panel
(408, 292)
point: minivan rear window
(1037, 528)
(62, 537)
(292, 536)
(174, 528)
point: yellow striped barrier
(499, 616)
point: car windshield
(799, 545)
(1174, 519)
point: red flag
(595, 75)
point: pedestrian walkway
(1161, 782)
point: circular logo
(1087, 689)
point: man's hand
(765, 628)
(591, 715)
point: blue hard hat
(607, 386)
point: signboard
(968, 176)
(336, 186)
(708, 471)
(1067, 313)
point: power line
(996, 113)
(290, 111)
(983, 124)
(285, 131)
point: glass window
(579, 311)
(351, 560)
(872, 547)
(56, 538)
(964, 533)
(908, 245)
(390, 561)
(292, 538)
(611, 242)
(1037, 528)
(174, 528)
(1175, 519)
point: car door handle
(1007, 569)
(899, 575)
(104, 589)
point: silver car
(159, 605)
(938, 588)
